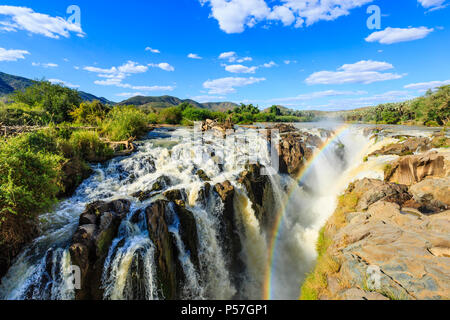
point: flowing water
(276, 261)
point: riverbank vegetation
(432, 109)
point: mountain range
(10, 83)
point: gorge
(191, 215)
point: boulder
(98, 226)
(407, 147)
(412, 169)
(434, 190)
(159, 185)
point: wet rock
(283, 128)
(91, 242)
(161, 216)
(74, 172)
(293, 153)
(407, 147)
(203, 176)
(371, 131)
(412, 169)
(160, 184)
(228, 231)
(260, 192)
(173, 195)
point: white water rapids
(129, 271)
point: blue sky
(304, 54)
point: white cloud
(288, 62)
(395, 35)
(244, 59)
(235, 15)
(433, 4)
(230, 55)
(164, 66)
(194, 56)
(423, 86)
(238, 68)
(64, 83)
(114, 76)
(12, 55)
(44, 65)
(152, 50)
(228, 85)
(22, 18)
(132, 67)
(269, 64)
(366, 72)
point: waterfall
(43, 269)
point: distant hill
(10, 83)
(169, 101)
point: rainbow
(274, 235)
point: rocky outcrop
(390, 252)
(260, 192)
(159, 185)
(293, 153)
(377, 247)
(434, 191)
(407, 147)
(98, 226)
(228, 230)
(372, 190)
(412, 169)
(162, 216)
(219, 129)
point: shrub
(19, 114)
(171, 115)
(88, 146)
(90, 113)
(26, 165)
(123, 123)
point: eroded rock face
(98, 227)
(386, 249)
(228, 230)
(401, 247)
(408, 147)
(412, 169)
(293, 153)
(433, 190)
(260, 192)
(161, 217)
(372, 190)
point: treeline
(433, 109)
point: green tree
(57, 100)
